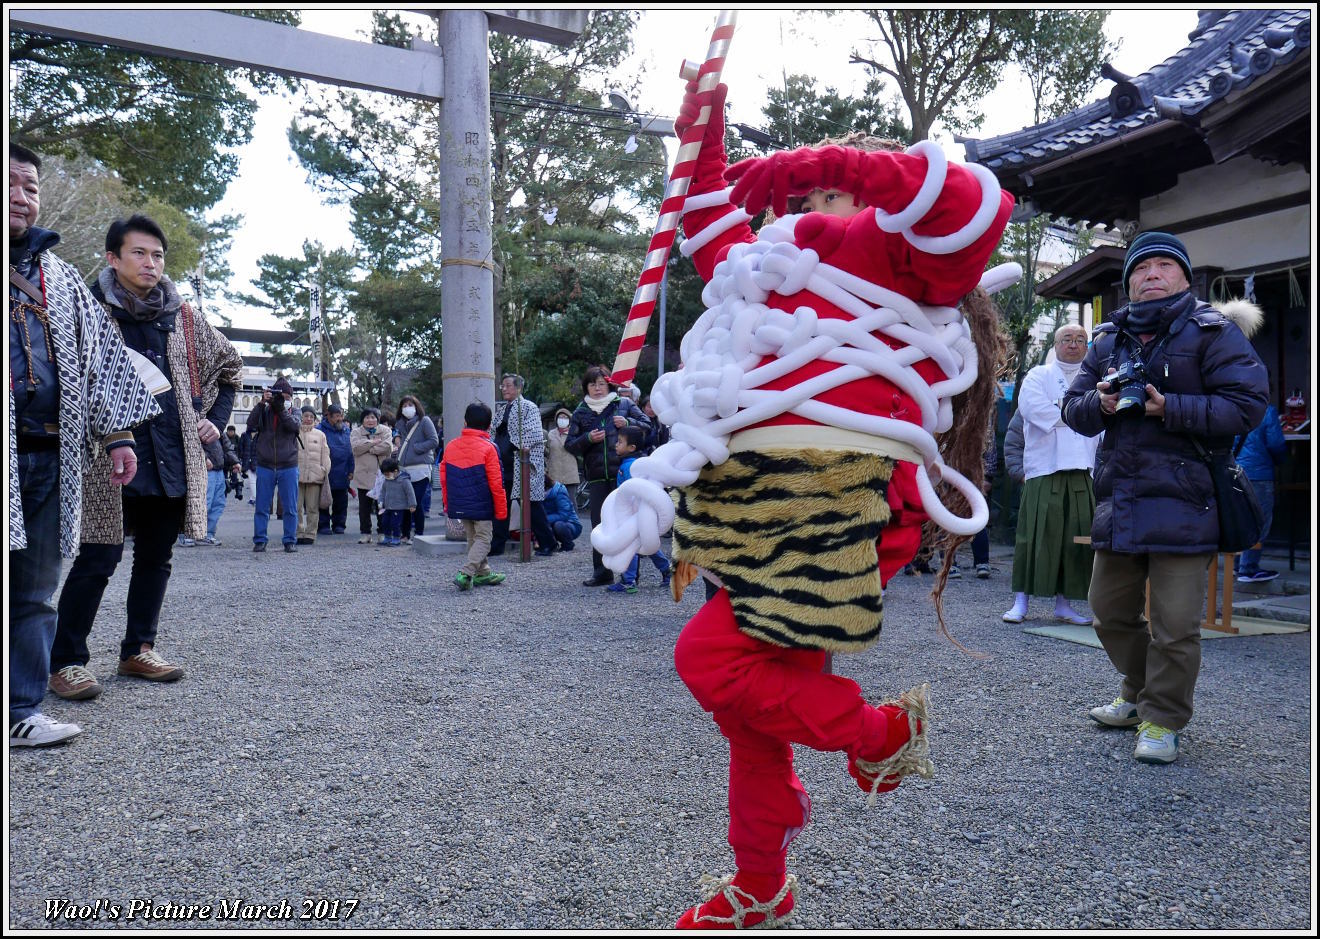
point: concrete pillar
(467, 265)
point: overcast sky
(282, 209)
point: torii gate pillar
(466, 260)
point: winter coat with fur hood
(1153, 492)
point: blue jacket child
(561, 515)
(628, 446)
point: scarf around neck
(162, 299)
(600, 404)
(1147, 316)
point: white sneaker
(211, 541)
(1118, 713)
(38, 730)
(1155, 744)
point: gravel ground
(351, 727)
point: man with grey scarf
(169, 493)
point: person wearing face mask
(276, 424)
(416, 440)
(560, 465)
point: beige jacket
(313, 457)
(368, 451)
(560, 465)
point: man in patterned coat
(519, 421)
(72, 389)
(168, 495)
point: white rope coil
(719, 390)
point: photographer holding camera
(1165, 373)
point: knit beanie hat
(282, 386)
(1155, 244)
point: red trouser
(763, 698)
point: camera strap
(1135, 346)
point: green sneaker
(463, 581)
(488, 580)
(1155, 744)
(1120, 713)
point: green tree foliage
(579, 319)
(943, 61)
(801, 114)
(563, 189)
(80, 198)
(168, 127)
(1059, 56)
(285, 284)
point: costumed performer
(813, 385)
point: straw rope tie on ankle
(913, 757)
(711, 887)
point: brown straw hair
(963, 445)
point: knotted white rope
(719, 390)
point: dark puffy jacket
(559, 508)
(1264, 447)
(341, 452)
(276, 444)
(598, 459)
(1153, 492)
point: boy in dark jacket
(472, 487)
(628, 447)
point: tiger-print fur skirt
(792, 534)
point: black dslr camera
(1130, 382)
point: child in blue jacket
(630, 441)
(560, 514)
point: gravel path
(351, 727)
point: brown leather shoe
(151, 666)
(74, 683)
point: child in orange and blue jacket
(472, 487)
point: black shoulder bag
(1241, 520)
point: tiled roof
(1229, 50)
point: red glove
(769, 181)
(711, 161)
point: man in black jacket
(168, 496)
(1196, 378)
(276, 423)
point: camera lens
(1131, 395)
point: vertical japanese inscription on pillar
(474, 201)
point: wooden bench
(1219, 623)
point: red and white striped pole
(671, 210)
